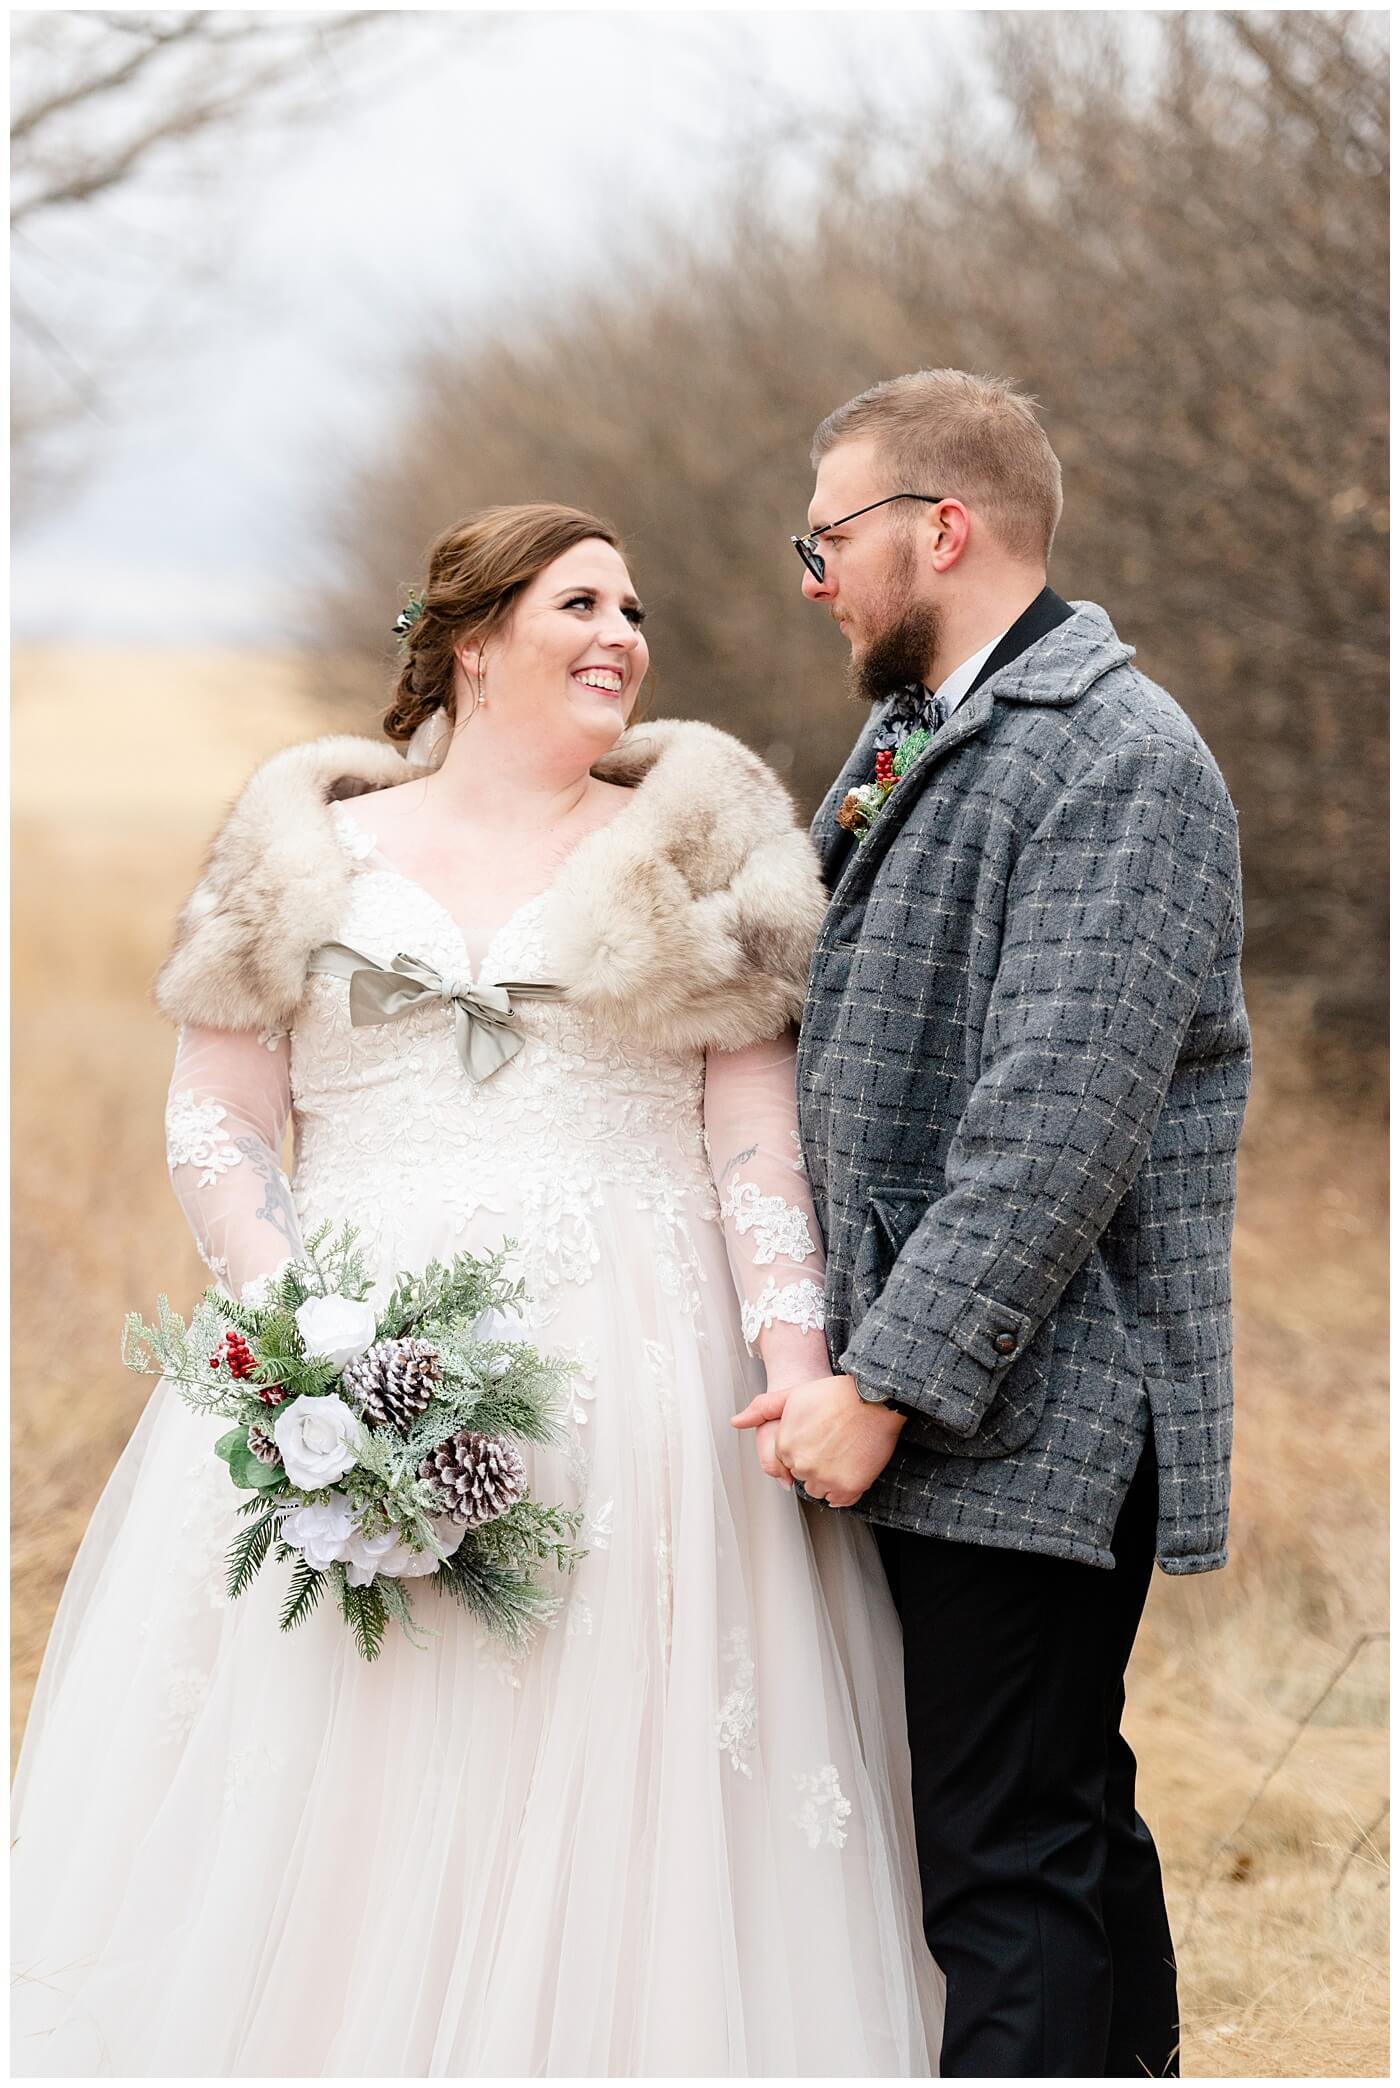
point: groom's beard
(899, 655)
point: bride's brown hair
(476, 573)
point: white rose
(320, 1531)
(340, 1329)
(366, 1556)
(319, 1440)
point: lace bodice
(391, 1134)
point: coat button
(1005, 1344)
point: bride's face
(571, 660)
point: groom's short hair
(963, 437)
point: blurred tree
(105, 104)
(1177, 239)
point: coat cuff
(950, 1378)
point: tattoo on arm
(738, 1161)
(277, 1208)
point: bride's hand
(762, 1416)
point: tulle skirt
(673, 1837)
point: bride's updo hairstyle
(476, 573)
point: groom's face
(873, 586)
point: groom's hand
(830, 1438)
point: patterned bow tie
(488, 1032)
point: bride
(674, 1835)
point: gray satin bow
(488, 1033)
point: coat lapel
(833, 843)
(1055, 670)
(967, 721)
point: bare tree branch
(106, 100)
(86, 90)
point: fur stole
(687, 922)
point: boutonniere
(862, 806)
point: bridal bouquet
(376, 1447)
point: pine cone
(479, 1477)
(263, 1446)
(395, 1380)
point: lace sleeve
(225, 1115)
(775, 1246)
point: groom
(1022, 1074)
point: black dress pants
(1042, 1893)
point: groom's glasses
(806, 546)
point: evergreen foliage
(248, 1551)
(525, 1405)
(179, 1353)
(500, 1596)
(532, 1533)
(442, 1296)
(304, 1591)
(397, 1604)
(331, 1264)
(364, 1611)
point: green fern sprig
(248, 1551)
(297, 1376)
(363, 1610)
(246, 1318)
(304, 1591)
(256, 1504)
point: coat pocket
(1019, 1400)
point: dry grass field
(1269, 1805)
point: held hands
(824, 1434)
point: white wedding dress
(674, 1836)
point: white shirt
(955, 686)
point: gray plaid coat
(1021, 1080)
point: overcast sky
(495, 162)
